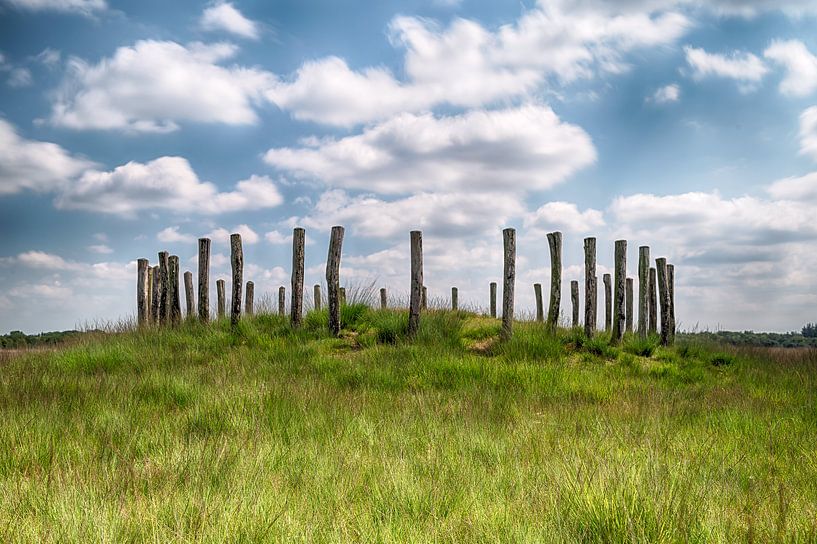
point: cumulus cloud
(808, 132)
(164, 183)
(222, 235)
(800, 64)
(172, 235)
(84, 7)
(513, 150)
(740, 66)
(100, 248)
(563, 216)
(666, 94)
(226, 17)
(20, 77)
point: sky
(128, 128)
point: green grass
(268, 434)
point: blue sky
(127, 128)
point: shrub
(643, 347)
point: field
(265, 434)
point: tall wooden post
(282, 300)
(297, 304)
(455, 303)
(237, 262)
(342, 293)
(652, 295)
(150, 295)
(416, 286)
(619, 287)
(164, 287)
(188, 294)
(643, 290)
(424, 298)
(175, 296)
(540, 310)
(555, 243)
(249, 299)
(221, 299)
(608, 303)
(574, 299)
(663, 299)
(204, 279)
(333, 278)
(590, 288)
(155, 295)
(493, 298)
(316, 297)
(509, 281)
(383, 298)
(671, 292)
(141, 292)
(628, 297)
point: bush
(600, 346)
(643, 347)
(722, 359)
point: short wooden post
(608, 302)
(333, 278)
(316, 297)
(619, 287)
(237, 261)
(249, 299)
(297, 304)
(204, 279)
(671, 291)
(663, 299)
(383, 299)
(454, 299)
(574, 299)
(643, 290)
(424, 298)
(282, 300)
(342, 293)
(493, 298)
(416, 287)
(221, 299)
(188, 294)
(155, 295)
(590, 288)
(537, 294)
(175, 295)
(652, 295)
(164, 286)
(509, 281)
(628, 297)
(150, 295)
(555, 244)
(141, 292)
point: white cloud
(800, 64)
(100, 248)
(49, 57)
(164, 183)
(20, 77)
(808, 132)
(48, 261)
(34, 165)
(172, 235)
(85, 7)
(225, 16)
(563, 216)
(799, 188)
(512, 150)
(151, 85)
(277, 238)
(666, 94)
(741, 66)
(54, 290)
(222, 235)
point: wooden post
(416, 287)
(282, 300)
(249, 299)
(628, 297)
(537, 293)
(164, 286)
(454, 299)
(663, 298)
(155, 295)
(555, 243)
(297, 304)
(237, 261)
(590, 288)
(608, 303)
(150, 294)
(643, 290)
(175, 296)
(141, 292)
(221, 296)
(316, 297)
(671, 292)
(424, 304)
(383, 298)
(204, 279)
(188, 294)
(493, 299)
(574, 299)
(342, 293)
(652, 294)
(333, 278)
(509, 281)
(620, 284)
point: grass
(268, 434)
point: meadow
(262, 433)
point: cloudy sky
(127, 128)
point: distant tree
(810, 330)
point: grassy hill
(263, 433)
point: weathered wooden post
(652, 294)
(282, 300)
(643, 290)
(555, 243)
(155, 295)
(663, 299)
(249, 299)
(540, 310)
(671, 292)
(620, 283)
(383, 298)
(342, 293)
(297, 304)
(150, 295)
(164, 286)
(628, 297)
(316, 297)
(221, 299)
(493, 298)
(204, 279)
(237, 261)
(455, 305)
(590, 289)
(608, 303)
(509, 281)
(188, 294)
(333, 278)
(175, 295)
(425, 298)
(416, 292)
(574, 299)
(141, 292)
